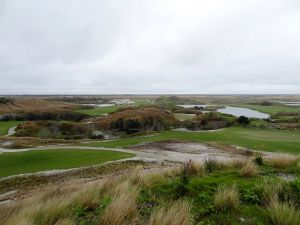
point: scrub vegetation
(218, 195)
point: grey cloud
(159, 46)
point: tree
(243, 120)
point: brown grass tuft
(177, 214)
(250, 169)
(122, 210)
(197, 168)
(283, 161)
(226, 198)
(283, 214)
(234, 163)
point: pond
(192, 106)
(100, 105)
(236, 111)
(290, 103)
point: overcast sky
(149, 46)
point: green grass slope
(98, 110)
(40, 160)
(259, 139)
(5, 125)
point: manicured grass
(105, 110)
(272, 110)
(40, 160)
(5, 125)
(259, 139)
(98, 110)
(182, 116)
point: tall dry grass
(123, 208)
(53, 205)
(282, 161)
(197, 168)
(227, 198)
(233, 163)
(178, 213)
(283, 213)
(250, 169)
(38, 210)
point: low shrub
(259, 160)
(243, 120)
(136, 120)
(252, 195)
(211, 165)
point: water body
(291, 103)
(236, 111)
(192, 106)
(100, 105)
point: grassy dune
(265, 140)
(39, 160)
(5, 125)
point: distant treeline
(209, 121)
(5, 100)
(133, 120)
(67, 115)
(81, 100)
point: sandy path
(178, 152)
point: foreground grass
(5, 125)
(40, 160)
(259, 139)
(218, 195)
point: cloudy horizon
(150, 47)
